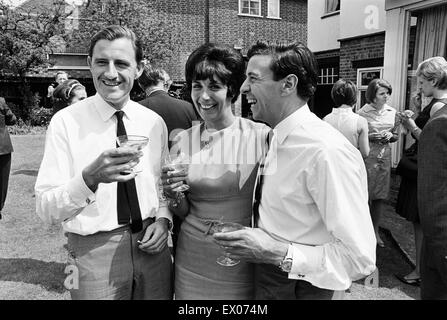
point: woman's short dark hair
(224, 62)
(374, 86)
(344, 92)
(291, 58)
(65, 91)
(114, 32)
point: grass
(32, 257)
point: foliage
(27, 36)
(26, 33)
(159, 37)
(25, 128)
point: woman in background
(67, 93)
(382, 127)
(342, 118)
(7, 118)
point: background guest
(67, 93)
(342, 118)
(432, 181)
(7, 118)
(59, 78)
(382, 129)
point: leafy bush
(24, 128)
(40, 116)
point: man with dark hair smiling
(116, 222)
(314, 234)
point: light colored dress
(221, 179)
(378, 163)
(345, 121)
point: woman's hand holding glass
(174, 175)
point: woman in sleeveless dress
(406, 205)
(382, 128)
(342, 118)
(224, 153)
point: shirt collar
(106, 111)
(287, 125)
(341, 110)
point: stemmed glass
(225, 260)
(132, 141)
(179, 163)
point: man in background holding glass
(117, 223)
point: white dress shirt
(76, 136)
(315, 196)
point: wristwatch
(286, 263)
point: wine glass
(179, 164)
(132, 141)
(225, 260)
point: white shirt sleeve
(163, 211)
(337, 183)
(59, 196)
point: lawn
(32, 257)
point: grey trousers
(111, 267)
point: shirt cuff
(79, 193)
(305, 260)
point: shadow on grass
(50, 275)
(26, 172)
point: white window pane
(273, 8)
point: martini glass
(225, 260)
(132, 141)
(179, 164)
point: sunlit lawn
(32, 257)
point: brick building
(238, 23)
(361, 40)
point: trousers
(112, 267)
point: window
(250, 7)
(364, 77)
(328, 76)
(332, 6)
(273, 9)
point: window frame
(326, 8)
(249, 14)
(361, 87)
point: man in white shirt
(117, 224)
(314, 234)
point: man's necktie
(128, 207)
(260, 182)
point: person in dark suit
(178, 114)
(6, 118)
(432, 181)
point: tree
(26, 35)
(159, 38)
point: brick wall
(227, 27)
(359, 51)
